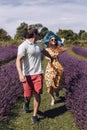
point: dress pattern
(54, 71)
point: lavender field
(75, 79)
(76, 86)
(10, 87)
(7, 53)
(79, 50)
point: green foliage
(84, 36)
(17, 41)
(80, 33)
(38, 26)
(67, 34)
(21, 30)
(4, 36)
(11, 42)
(43, 32)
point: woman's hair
(30, 32)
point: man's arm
(19, 68)
(46, 53)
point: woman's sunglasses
(53, 39)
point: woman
(54, 70)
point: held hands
(51, 58)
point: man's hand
(51, 58)
(22, 78)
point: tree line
(68, 35)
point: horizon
(55, 15)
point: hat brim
(49, 35)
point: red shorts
(34, 84)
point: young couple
(30, 72)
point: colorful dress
(54, 71)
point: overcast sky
(53, 14)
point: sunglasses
(53, 39)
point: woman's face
(53, 41)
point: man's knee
(37, 97)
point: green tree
(43, 32)
(80, 33)
(4, 35)
(84, 36)
(38, 26)
(21, 30)
(67, 34)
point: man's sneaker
(35, 119)
(26, 108)
(57, 94)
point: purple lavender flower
(76, 88)
(79, 50)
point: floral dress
(53, 72)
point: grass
(51, 117)
(55, 117)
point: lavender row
(79, 50)
(7, 53)
(10, 88)
(76, 88)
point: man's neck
(31, 40)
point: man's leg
(27, 96)
(26, 104)
(38, 85)
(37, 100)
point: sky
(53, 14)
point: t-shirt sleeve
(21, 50)
(41, 48)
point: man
(29, 68)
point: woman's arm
(62, 49)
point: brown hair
(30, 32)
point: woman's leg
(51, 92)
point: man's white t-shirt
(31, 63)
